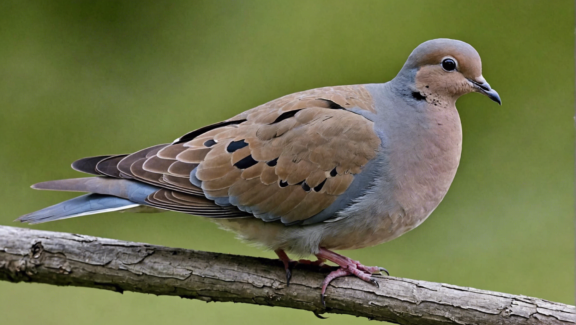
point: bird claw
(288, 277)
(288, 264)
(375, 282)
(383, 270)
(323, 300)
(318, 315)
(289, 269)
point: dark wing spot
(332, 104)
(319, 186)
(418, 96)
(283, 183)
(235, 145)
(305, 187)
(333, 172)
(246, 162)
(285, 115)
(209, 143)
(272, 162)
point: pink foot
(347, 267)
(288, 264)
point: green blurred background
(83, 78)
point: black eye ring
(449, 64)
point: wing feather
(287, 160)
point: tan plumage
(330, 168)
(294, 144)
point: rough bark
(77, 260)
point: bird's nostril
(482, 85)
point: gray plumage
(80, 206)
(331, 168)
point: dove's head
(445, 69)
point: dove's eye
(449, 64)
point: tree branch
(77, 260)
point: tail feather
(106, 195)
(79, 206)
(127, 189)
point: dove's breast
(421, 146)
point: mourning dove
(326, 169)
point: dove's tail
(77, 207)
(106, 195)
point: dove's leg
(288, 264)
(347, 267)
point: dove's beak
(483, 87)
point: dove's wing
(286, 160)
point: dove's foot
(347, 267)
(288, 264)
